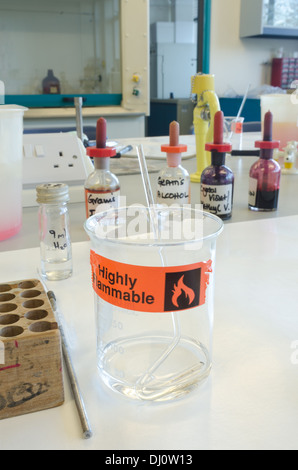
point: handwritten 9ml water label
(217, 199)
(150, 288)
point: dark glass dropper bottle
(264, 175)
(217, 180)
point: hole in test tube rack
(38, 314)
(5, 287)
(5, 308)
(33, 303)
(6, 297)
(26, 284)
(28, 294)
(41, 326)
(8, 319)
(10, 331)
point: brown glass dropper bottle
(102, 187)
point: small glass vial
(55, 243)
(102, 187)
(173, 182)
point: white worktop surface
(127, 169)
(249, 401)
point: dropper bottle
(264, 175)
(102, 187)
(217, 180)
(173, 182)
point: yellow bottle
(203, 119)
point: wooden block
(31, 376)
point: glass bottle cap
(51, 193)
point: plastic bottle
(264, 175)
(217, 180)
(51, 84)
(54, 234)
(102, 187)
(203, 116)
(173, 182)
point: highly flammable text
(114, 278)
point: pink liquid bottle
(217, 180)
(264, 175)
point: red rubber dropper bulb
(101, 149)
(174, 134)
(218, 144)
(267, 142)
(174, 146)
(218, 128)
(268, 122)
(101, 133)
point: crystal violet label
(150, 288)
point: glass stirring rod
(148, 375)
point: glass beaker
(153, 277)
(11, 181)
(284, 108)
(233, 131)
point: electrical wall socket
(56, 157)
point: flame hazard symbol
(179, 288)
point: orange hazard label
(237, 127)
(149, 288)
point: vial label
(252, 191)
(99, 201)
(173, 190)
(58, 239)
(217, 199)
(56, 253)
(150, 288)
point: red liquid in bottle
(264, 175)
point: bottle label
(217, 199)
(172, 190)
(99, 201)
(252, 191)
(150, 288)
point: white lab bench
(250, 399)
(127, 169)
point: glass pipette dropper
(148, 375)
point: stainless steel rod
(87, 432)
(79, 119)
